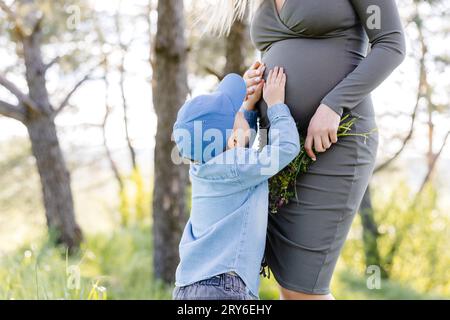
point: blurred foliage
(414, 239)
(18, 176)
(116, 266)
(119, 266)
(67, 36)
(135, 199)
(348, 285)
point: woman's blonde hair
(221, 14)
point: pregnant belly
(313, 68)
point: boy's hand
(274, 88)
(252, 99)
(255, 83)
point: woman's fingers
(333, 136)
(323, 128)
(318, 147)
(325, 142)
(308, 147)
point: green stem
(282, 185)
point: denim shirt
(226, 231)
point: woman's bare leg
(286, 294)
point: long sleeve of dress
(387, 41)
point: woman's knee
(286, 294)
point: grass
(349, 286)
(113, 267)
(119, 266)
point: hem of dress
(297, 288)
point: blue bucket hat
(205, 123)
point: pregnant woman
(322, 46)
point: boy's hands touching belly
(322, 129)
(274, 88)
(255, 85)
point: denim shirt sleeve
(254, 167)
(251, 116)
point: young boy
(223, 242)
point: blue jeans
(224, 286)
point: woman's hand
(322, 131)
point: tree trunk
(37, 114)
(170, 181)
(370, 233)
(55, 181)
(46, 149)
(430, 153)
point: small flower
(27, 254)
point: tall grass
(118, 266)
(413, 241)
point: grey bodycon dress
(323, 47)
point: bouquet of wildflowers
(282, 185)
